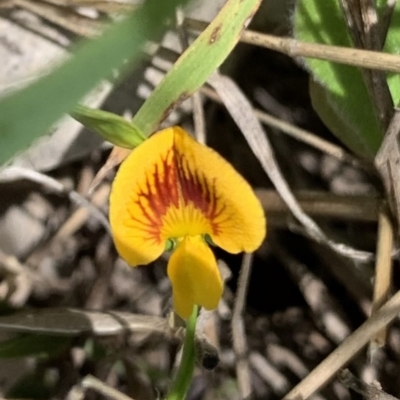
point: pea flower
(173, 189)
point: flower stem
(183, 378)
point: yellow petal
(195, 276)
(236, 218)
(140, 194)
(171, 187)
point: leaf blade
(27, 114)
(110, 126)
(338, 94)
(196, 64)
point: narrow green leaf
(339, 95)
(110, 126)
(29, 113)
(196, 64)
(33, 345)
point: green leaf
(27, 114)
(110, 126)
(338, 94)
(196, 64)
(33, 345)
(392, 45)
(190, 71)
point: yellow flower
(171, 187)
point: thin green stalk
(183, 378)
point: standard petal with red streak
(171, 187)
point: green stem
(183, 378)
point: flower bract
(173, 188)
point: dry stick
(328, 314)
(89, 3)
(85, 179)
(367, 391)
(18, 278)
(73, 223)
(383, 274)
(90, 382)
(286, 359)
(276, 380)
(64, 17)
(238, 329)
(104, 260)
(117, 155)
(294, 48)
(242, 112)
(346, 351)
(356, 279)
(197, 102)
(10, 174)
(323, 204)
(108, 7)
(298, 134)
(73, 322)
(11, 264)
(79, 217)
(387, 162)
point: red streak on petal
(160, 191)
(174, 183)
(197, 190)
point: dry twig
(268, 373)
(294, 48)
(90, 382)
(11, 174)
(383, 273)
(328, 313)
(346, 351)
(97, 297)
(238, 330)
(299, 134)
(387, 161)
(369, 392)
(64, 17)
(322, 205)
